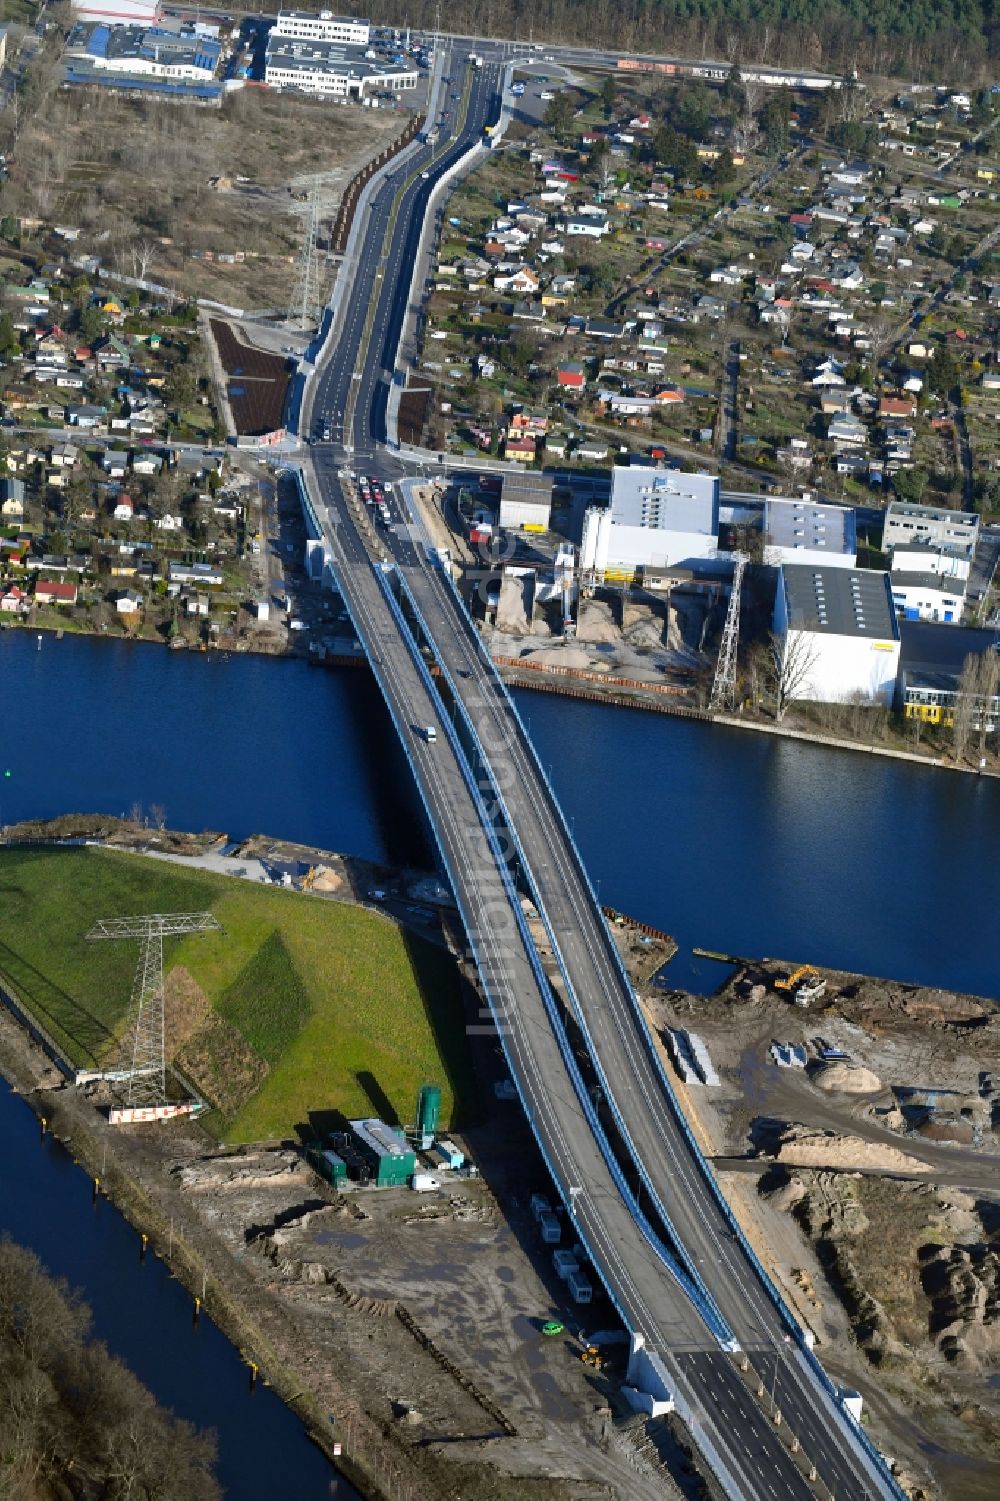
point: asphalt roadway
(726, 1416)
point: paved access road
(735, 1435)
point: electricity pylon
(143, 1043)
(724, 686)
(305, 296)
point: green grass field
(319, 1007)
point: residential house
(572, 376)
(591, 450)
(897, 406)
(86, 416)
(850, 463)
(12, 499)
(55, 592)
(14, 601)
(523, 279)
(203, 574)
(531, 420)
(129, 603)
(727, 276)
(124, 509)
(605, 328)
(847, 431)
(146, 463)
(593, 226)
(112, 354)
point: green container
(428, 1109)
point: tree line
(74, 1421)
(937, 39)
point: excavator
(790, 981)
(805, 982)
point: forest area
(74, 1422)
(921, 39)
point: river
(727, 839)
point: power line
(143, 1043)
(305, 296)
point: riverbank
(257, 643)
(590, 687)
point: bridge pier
(646, 1387)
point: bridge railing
(541, 980)
(788, 1319)
(697, 1289)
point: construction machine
(789, 982)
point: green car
(552, 1327)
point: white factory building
(928, 596)
(657, 518)
(839, 632)
(802, 530)
(930, 558)
(331, 70)
(322, 26)
(526, 502)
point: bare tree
(756, 668)
(987, 683)
(753, 92)
(142, 256)
(158, 814)
(792, 659)
(963, 714)
(882, 329)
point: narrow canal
(146, 1319)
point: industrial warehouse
(140, 58)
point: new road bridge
(717, 1337)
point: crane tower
(724, 686)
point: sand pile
(847, 1078)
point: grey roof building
(839, 601)
(809, 531)
(934, 525)
(331, 68)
